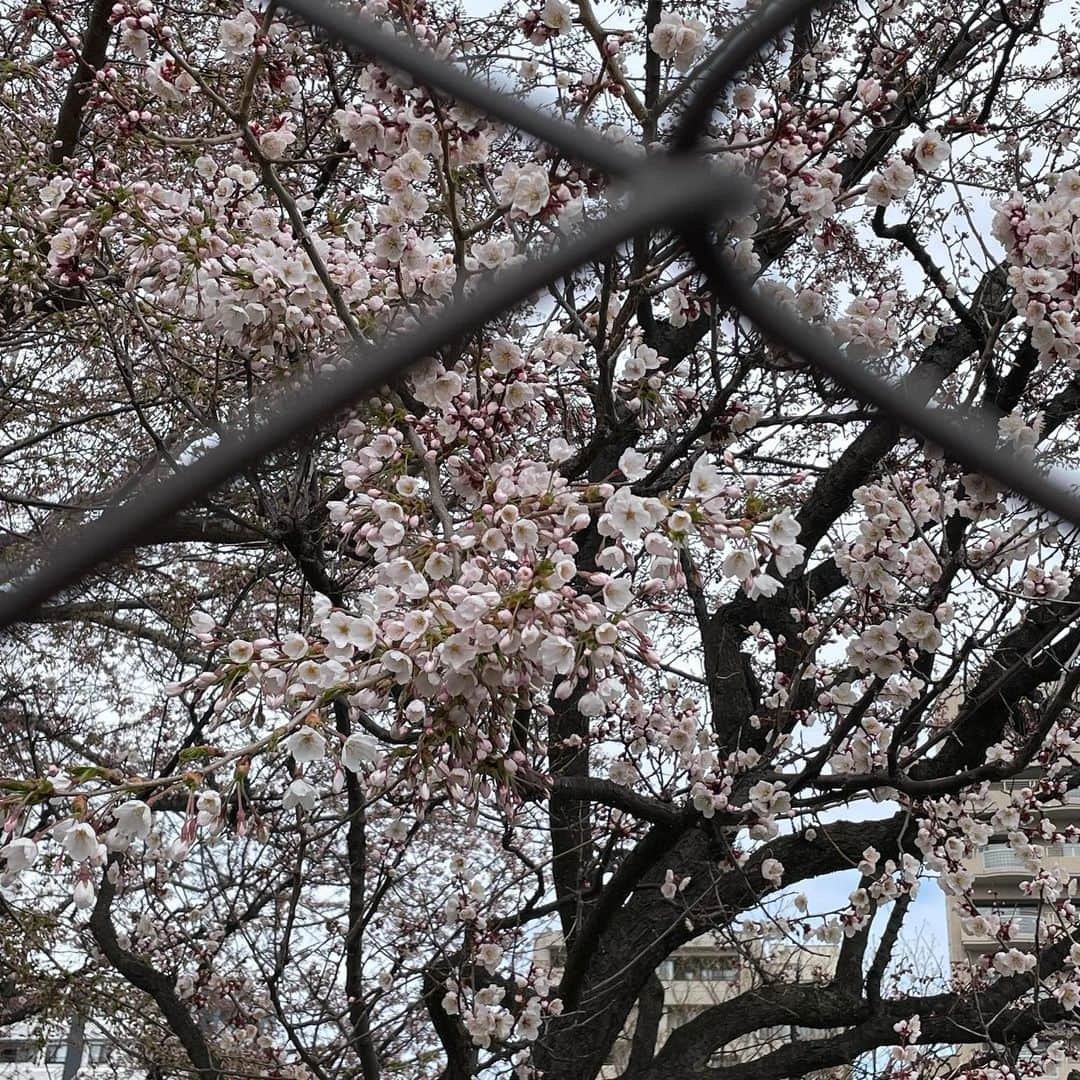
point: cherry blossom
(80, 841)
(611, 610)
(305, 745)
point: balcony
(1022, 921)
(685, 966)
(24, 1058)
(1016, 783)
(704, 967)
(1069, 805)
(1070, 800)
(999, 859)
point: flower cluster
(677, 39)
(1039, 236)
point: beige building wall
(706, 972)
(998, 872)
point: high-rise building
(998, 870)
(55, 1054)
(707, 972)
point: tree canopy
(611, 619)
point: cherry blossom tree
(611, 619)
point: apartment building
(706, 972)
(57, 1054)
(998, 872)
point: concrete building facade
(998, 871)
(55, 1054)
(707, 972)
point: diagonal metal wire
(664, 193)
(672, 191)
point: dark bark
(143, 976)
(92, 56)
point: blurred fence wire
(679, 190)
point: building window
(1023, 919)
(704, 968)
(1002, 856)
(56, 1053)
(721, 1058)
(97, 1053)
(1037, 1048)
(17, 1051)
(678, 1015)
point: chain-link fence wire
(678, 190)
